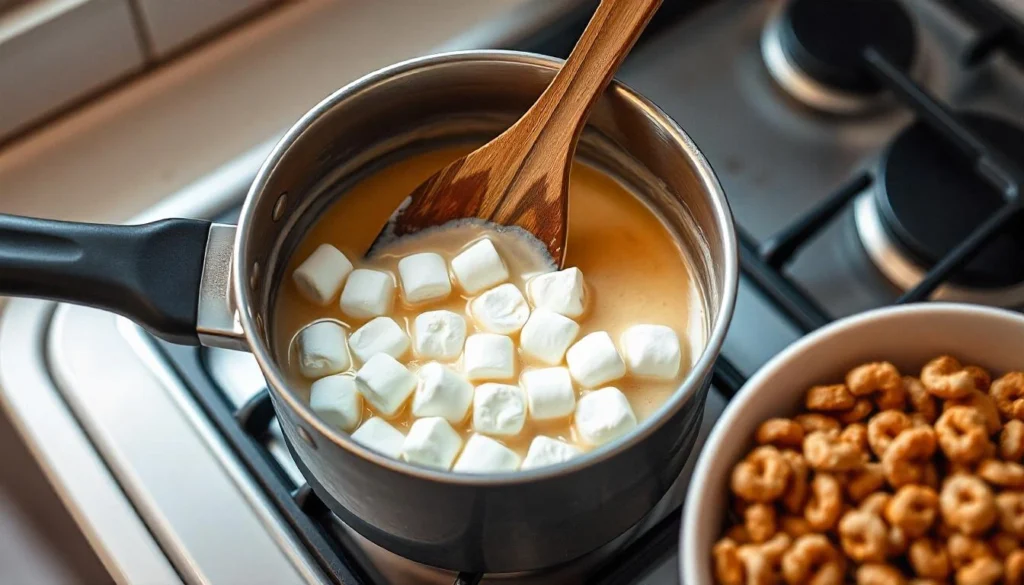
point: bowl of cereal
(884, 448)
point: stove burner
(928, 199)
(813, 49)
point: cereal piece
(881, 378)
(547, 335)
(499, 409)
(925, 582)
(781, 432)
(483, 454)
(1010, 508)
(424, 278)
(831, 398)
(441, 392)
(775, 547)
(907, 459)
(967, 503)
(817, 422)
(593, 360)
(824, 451)
(489, 356)
(825, 504)
(376, 434)
(946, 378)
(1003, 543)
(368, 293)
(336, 400)
(897, 542)
(739, 533)
(1015, 568)
(757, 567)
(961, 434)
(876, 503)
(983, 571)
(385, 383)
(439, 335)
(605, 415)
(651, 351)
(431, 442)
(856, 434)
(479, 267)
(320, 276)
(561, 292)
(759, 520)
(865, 482)
(985, 406)
(864, 536)
(920, 399)
(884, 427)
(964, 550)
(1011, 441)
(550, 393)
(929, 559)
(546, 451)
(762, 476)
(982, 379)
(797, 487)
(879, 574)
(862, 408)
(500, 310)
(1004, 474)
(913, 508)
(795, 526)
(812, 560)
(380, 335)
(1008, 393)
(321, 349)
(728, 568)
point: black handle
(149, 273)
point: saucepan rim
(687, 389)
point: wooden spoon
(521, 178)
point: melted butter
(633, 267)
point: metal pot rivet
(279, 206)
(254, 275)
(306, 437)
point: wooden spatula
(521, 178)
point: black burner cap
(930, 199)
(826, 38)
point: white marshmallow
(337, 401)
(368, 293)
(441, 392)
(431, 442)
(499, 409)
(547, 335)
(594, 360)
(561, 292)
(385, 383)
(500, 310)
(550, 393)
(603, 415)
(479, 267)
(651, 351)
(485, 455)
(380, 335)
(546, 451)
(321, 349)
(380, 436)
(439, 335)
(489, 356)
(424, 278)
(319, 277)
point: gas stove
(871, 152)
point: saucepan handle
(149, 273)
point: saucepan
(193, 282)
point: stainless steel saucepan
(191, 281)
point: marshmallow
(499, 409)
(547, 335)
(380, 436)
(546, 451)
(321, 349)
(651, 351)
(479, 267)
(489, 356)
(500, 310)
(385, 383)
(593, 360)
(439, 335)
(441, 392)
(380, 335)
(550, 393)
(336, 400)
(431, 442)
(561, 292)
(319, 277)
(603, 415)
(485, 455)
(424, 278)
(368, 293)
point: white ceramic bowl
(908, 336)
